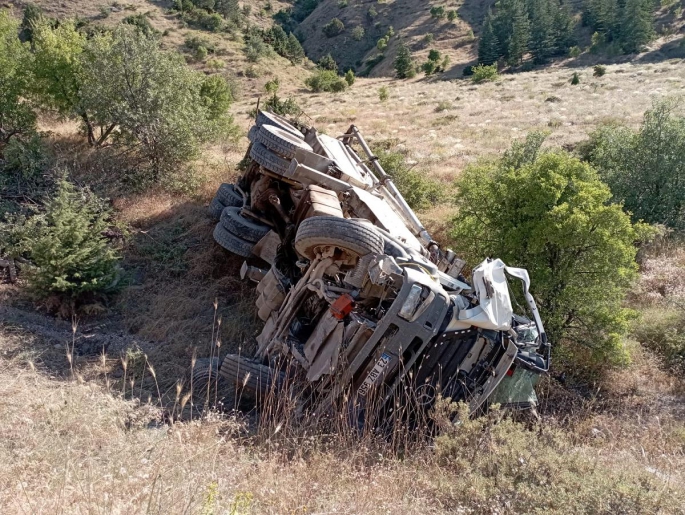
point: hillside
(96, 413)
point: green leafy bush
(255, 48)
(404, 65)
(645, 169)
(383, 93)
(17, 117)
(326, 80)
(484, 73)
(452, 15)
(418, 190)
(358, 33)
(438, 12)
(550, 213)
(66, 245)
(599, 70)
(333, 28)
(350, 78)
(327, 63)
(142, 23)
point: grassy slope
(109, 458)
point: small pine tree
(327, 63)
(404, 65)
(349, 77)
(489, 46)
(67, 246)
(517, 44)
(575, 80)
(294, 49)
(541, 43)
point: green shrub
(383, 93)
(27, 158)
(428, 38)
(342, 4)
(452, 15)
(574, 51)
(437, 12)
(371, 13)
(550, 213)
(333, 28)
(443, 105)
(575, 79)
(65, 243)
(350, 78)
(599, 70)
(142, 23)
(358, 33)
(327, 63)
(255, 48)
(429, 67)
(200, 53)
(404, 65)
(17, 117)
(382, 44)
(326, 80)
(646, 169)
(484, 73)
(419, 191)
(213, 22)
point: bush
(550, 213)
(429, 67)
(575, 79)
(213, 22)
(349, 77)
(419, 191)
(327, 63)
(326, 80)
(141, 22)
(17, 117)
(663, 331)
(646, 169)
(66, 245)
(358, 33)
(255, 48)
(438, 12)
(599, 70)
(333, 28)
(574, 51)
(452, 15)
(404, 65)
(484, 73)
(383, 93)
(382, 44)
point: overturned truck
(360, 306)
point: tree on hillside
(16, 114)
(552, 215)
(517, 44)
(541, 31)
(404, 65)
(488, 46)
(636, 25)
(563, 28)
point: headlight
(412, 302)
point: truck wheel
(268, 159)
(241, 226)
(265, 118)
(252, 133)
(229, 196)
(254, 379)
(215, 208)
(208, 383)
(353, 236)
(231, 242)
(282, 142)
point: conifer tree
(563, 26)
(488, 46)
(520, 32)
(636, 26)
(404, 65)
(542, 42)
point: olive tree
(551, 214)
(16, 114)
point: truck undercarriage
(359, 304)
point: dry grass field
(82, 431)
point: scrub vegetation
(119, 120)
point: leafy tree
(326, 80)
(404, 65)
(552, 216)
(152, 99)
(646, 169)
(333, 28)
(16, 114)
(66, 244)
(488, 46)
(434, 55)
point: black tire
(229, 196)
(265, 118)
(355, 237)
(282, 142)
(248, 377)
(243, 227)
(268, 159)
(231, 242)
(215, 208)
(207, 383)
(252, 133)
